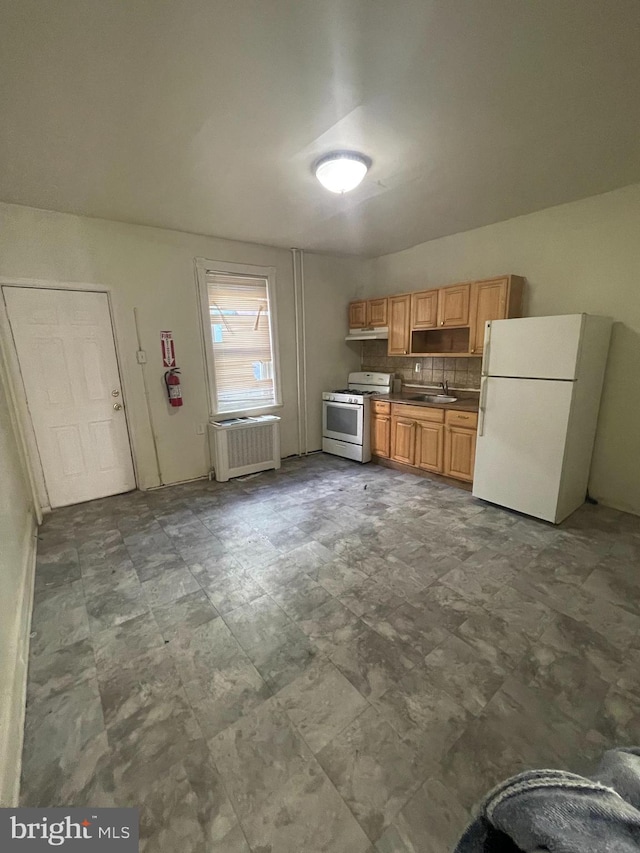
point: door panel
(357, 314)
(377, 313)
(521, 444)
(453, 305)
(380, 434)
(489, 303)
(399, 324)
(534, 347)
(342, 421)
(67, 358)
(403, 441)
(424, 310)
(460, 453)
(430, 446)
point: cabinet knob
(473, 349)
(442, 322)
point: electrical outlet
(200, 429)
(417, 367)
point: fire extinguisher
(172, 381)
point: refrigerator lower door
(521, 444)
(534, 347)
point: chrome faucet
(445, 388)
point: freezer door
(521, 443)
(533, 347)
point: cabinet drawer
(380, 407)
(419, 413)
(462, 419)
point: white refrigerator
(542, 380)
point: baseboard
(13, 699)
(613, 504)
(419, 472)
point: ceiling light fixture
(341, 171)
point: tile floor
(329, 658)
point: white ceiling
(206, 115)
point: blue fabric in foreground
(551, 810)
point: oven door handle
(343, 405)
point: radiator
(242, 446)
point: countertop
(466, 402)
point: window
(238, 321)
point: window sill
(246, 413)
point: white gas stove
(346, 415)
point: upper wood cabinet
(368, 313)
(424, 309)
(377, 313)
(399, 324)
(453, 305)
(444, 321)
(493, 299)
(358, 314)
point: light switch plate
(417, 367)
(141, 356)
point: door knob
(117, 406)
(115, 393)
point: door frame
(16, 384)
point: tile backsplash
(458, 372)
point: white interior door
(534, 347)
(521, 444)
(67, 358)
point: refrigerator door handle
(483, 395)
(486, 349)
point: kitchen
(535, 436)
(417, 572)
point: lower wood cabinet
(437, 440)
(380, 435)
(429, 446)
(459, 452)
(403, 440)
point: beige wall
(17, 550)
(579, 257)
(152, 270)
(329, 285)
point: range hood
(379, 334)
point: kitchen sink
(434, 398)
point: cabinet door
(430, 446)
(424, 310)
(403, 440)
(380, 434)
(357, 314)
(377, 313)
(459, 452)
(453, 305)
(488, 302)
(399, 328)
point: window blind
(240, 320)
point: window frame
(203, 267)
